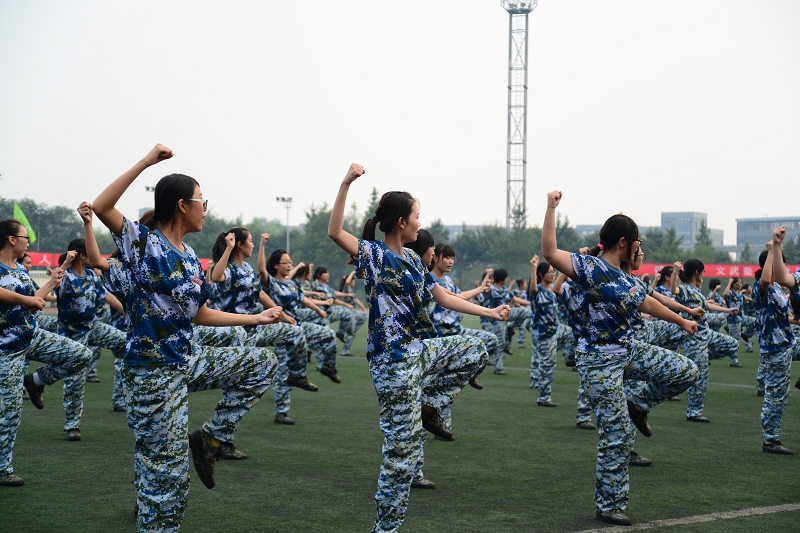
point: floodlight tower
(287, 203)
(517, 148)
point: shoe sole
(29, 384)
(204, 472)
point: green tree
(746, 257)
(439, 231)
(519, 218)
(669, 250)
(568, 238)
(369, 212)
(703, 237)
(791, 249)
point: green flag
(20, 217)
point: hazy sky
(634, 106)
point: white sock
(37, 379)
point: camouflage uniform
(546, 332)
(701, 346)
(521, 322)
(358, 319)
(738, 323)
(409, 368)
(161, 367)
(21, 340)
(607, 355)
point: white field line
(696, 519)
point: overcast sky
(639, 107)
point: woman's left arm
(455, 303)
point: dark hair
(273, 259)
(301, 272)
(61, 259)
(422, 244)
(762, 258)
(689, 269)
(483, 276)
(500, 275)
(646, 279)
(745, 286)
(147, 219)
(795, 305)
(734, 280)
(23, 257)
(319, 271)
(169, 190)
(666, 271)
(78, 245)
(541, 270)
(8, 228)
(343, 284)
(614, 229)
(713, 283)
(220, 245)
(443, 250)
(758, 273)
(520, 282)
(393, 206)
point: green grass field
(513, 467)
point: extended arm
(652, 307)
(115, 304)
(262, 258)
(672, 304)
(336, 231)
(36, 303)
(779, 272)
(561, 260)
(727, 290)
(212, 317)
(218, 273)
(455, 303)
(105, 205)
(93, 254)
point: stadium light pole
(517, 137)
(287, 203)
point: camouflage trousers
(358, 319)
(716, 320)
(91, 370)
(47, 323)
(519, 319)
(794, 355)
(662, 334)
(157, 408)
(289, 344)
(565, 341)
(499, 329)
(602, 376)
(221, 337)
(63, 357)
(742, 328)
(700, 347)
(543, 360)
(434, 378)
(100, 334)
(117, 394)
(776, 370)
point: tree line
(490, 245)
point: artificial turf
(514, 466)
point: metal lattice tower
(517, 149)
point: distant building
(759, 230)
(687, 225)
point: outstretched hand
(85, 211)
(355, 172)
(553, 199)
(158, 154)
(270, 316)
(689, 326)
(501, 312)
(33, 303)
(697, 312)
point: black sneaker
(301, 383)
(331, 374)
(118, 409)
(698, 418)
(760, 392)
(283, 418)
(475, 384)
(586, 424)
(775, 446)
(34, 391)
(228, 451)
(432, 422)
(736, 365)
(634, 459)
(569, 362)
(639, 418)
(507, 351)
(614, 516)
(204, 456)
(340, 335)
(797, 383)
(423, 484)
(11, 480)
(74, 434)
(92, 379)
(500, 372)
(546, 404)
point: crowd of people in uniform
(174, 328)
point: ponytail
(393, 206)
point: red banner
(45, 259)
(714, 271)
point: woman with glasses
(239, 290)
(707, 342)
(608, 354)
(168, 293)
(288, 293)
